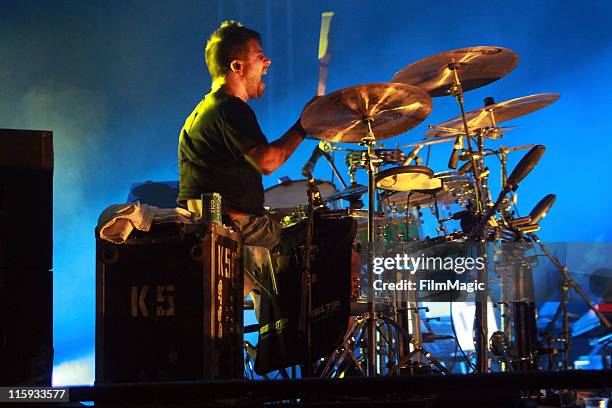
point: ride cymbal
(502, 112)
(476, 67)
(342, 116)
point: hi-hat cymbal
(503, 112)
(341, 116)
(476, 66)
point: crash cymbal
(503, 112)
(444, 134)
(341, 116)
(477, 66)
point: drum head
(288, 196)
(407, 178)
(457, 189)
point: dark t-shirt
(211, 153)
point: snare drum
(456, 189)
(407, 178)
(456, 193)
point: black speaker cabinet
(26, 326)
(26, 198)
(169, 306)
(26, 286)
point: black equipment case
(169, 305)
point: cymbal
(443, 134)
(341, 115)
(477, 66)
(503, 112)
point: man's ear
(236, 66)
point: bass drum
(292, 197)
(389, 230)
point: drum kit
(397, 194)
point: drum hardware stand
(481, 300)
(314, 200)
(349, 343)
(499, 347)
(334, 169)
(484, 171)
(442, 228)
(503, 159)
(418, 348)
(409, 316)
(567, 283)
(372, 162)
(345, 356)
(353, 340)
(481, 316)
(518, 309)
(457, 91)
(479, 234)
(504, 306)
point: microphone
(317, 152)
(466, 167)
(412, 155)
(524, 167)
(454, 159)
(541, 208)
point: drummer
(221, 146)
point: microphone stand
(334, 169)
(314, 197)
(457, 91)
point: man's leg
(260, 235)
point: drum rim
(402, 170)
(288, 183)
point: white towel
(117, 221)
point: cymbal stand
(344, 356)
(372, 162)
(457, 91)
(417, 348)
(407, 319)
(484, 172)
(567, 284)
(481, 154)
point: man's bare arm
(269, 157)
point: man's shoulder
(220, 103)
(231, 104)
